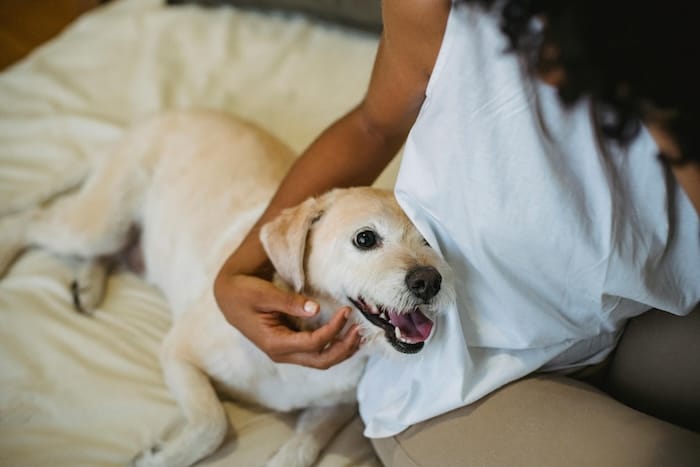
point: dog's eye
(365, 240)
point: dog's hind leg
(94, 222)
(206, 422)
(314, 430)
(61, 183)
(20, 230)
(87, 227)
(13, 233)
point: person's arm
(353, 151)
(688, 174)
(688, 177)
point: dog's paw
(148, 458)
(300, 451)
(83, 298)
(88, 287)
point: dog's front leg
(314, 429)
(206, 425)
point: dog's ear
(284, 240)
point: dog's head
(356, 247)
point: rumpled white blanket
(88, 391)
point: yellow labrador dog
(195, 182)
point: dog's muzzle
(406, 330)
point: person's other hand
(257, 309)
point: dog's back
(213, 178)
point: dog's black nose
(424, 282)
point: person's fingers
(334, 353)
(320, 348)
(316, 340)
(269, 298)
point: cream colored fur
(196, 182)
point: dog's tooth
(399, 336)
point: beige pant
(547, 420)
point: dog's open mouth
(406, 330)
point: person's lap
(556, 420)
(656, 367)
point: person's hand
(257, 309)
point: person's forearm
(351, 152)
(688, 177)
(687, 174)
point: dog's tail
(57, 185)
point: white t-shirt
(556, 237)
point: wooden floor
(25, 24)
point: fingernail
(310, 307)
(347, 313)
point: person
(551, 155)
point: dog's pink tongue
(414, 326)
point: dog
(195, 182)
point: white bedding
(88, 391)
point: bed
(88, 391)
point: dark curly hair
(634, 59)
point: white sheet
(88, 391)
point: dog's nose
(424, 282)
